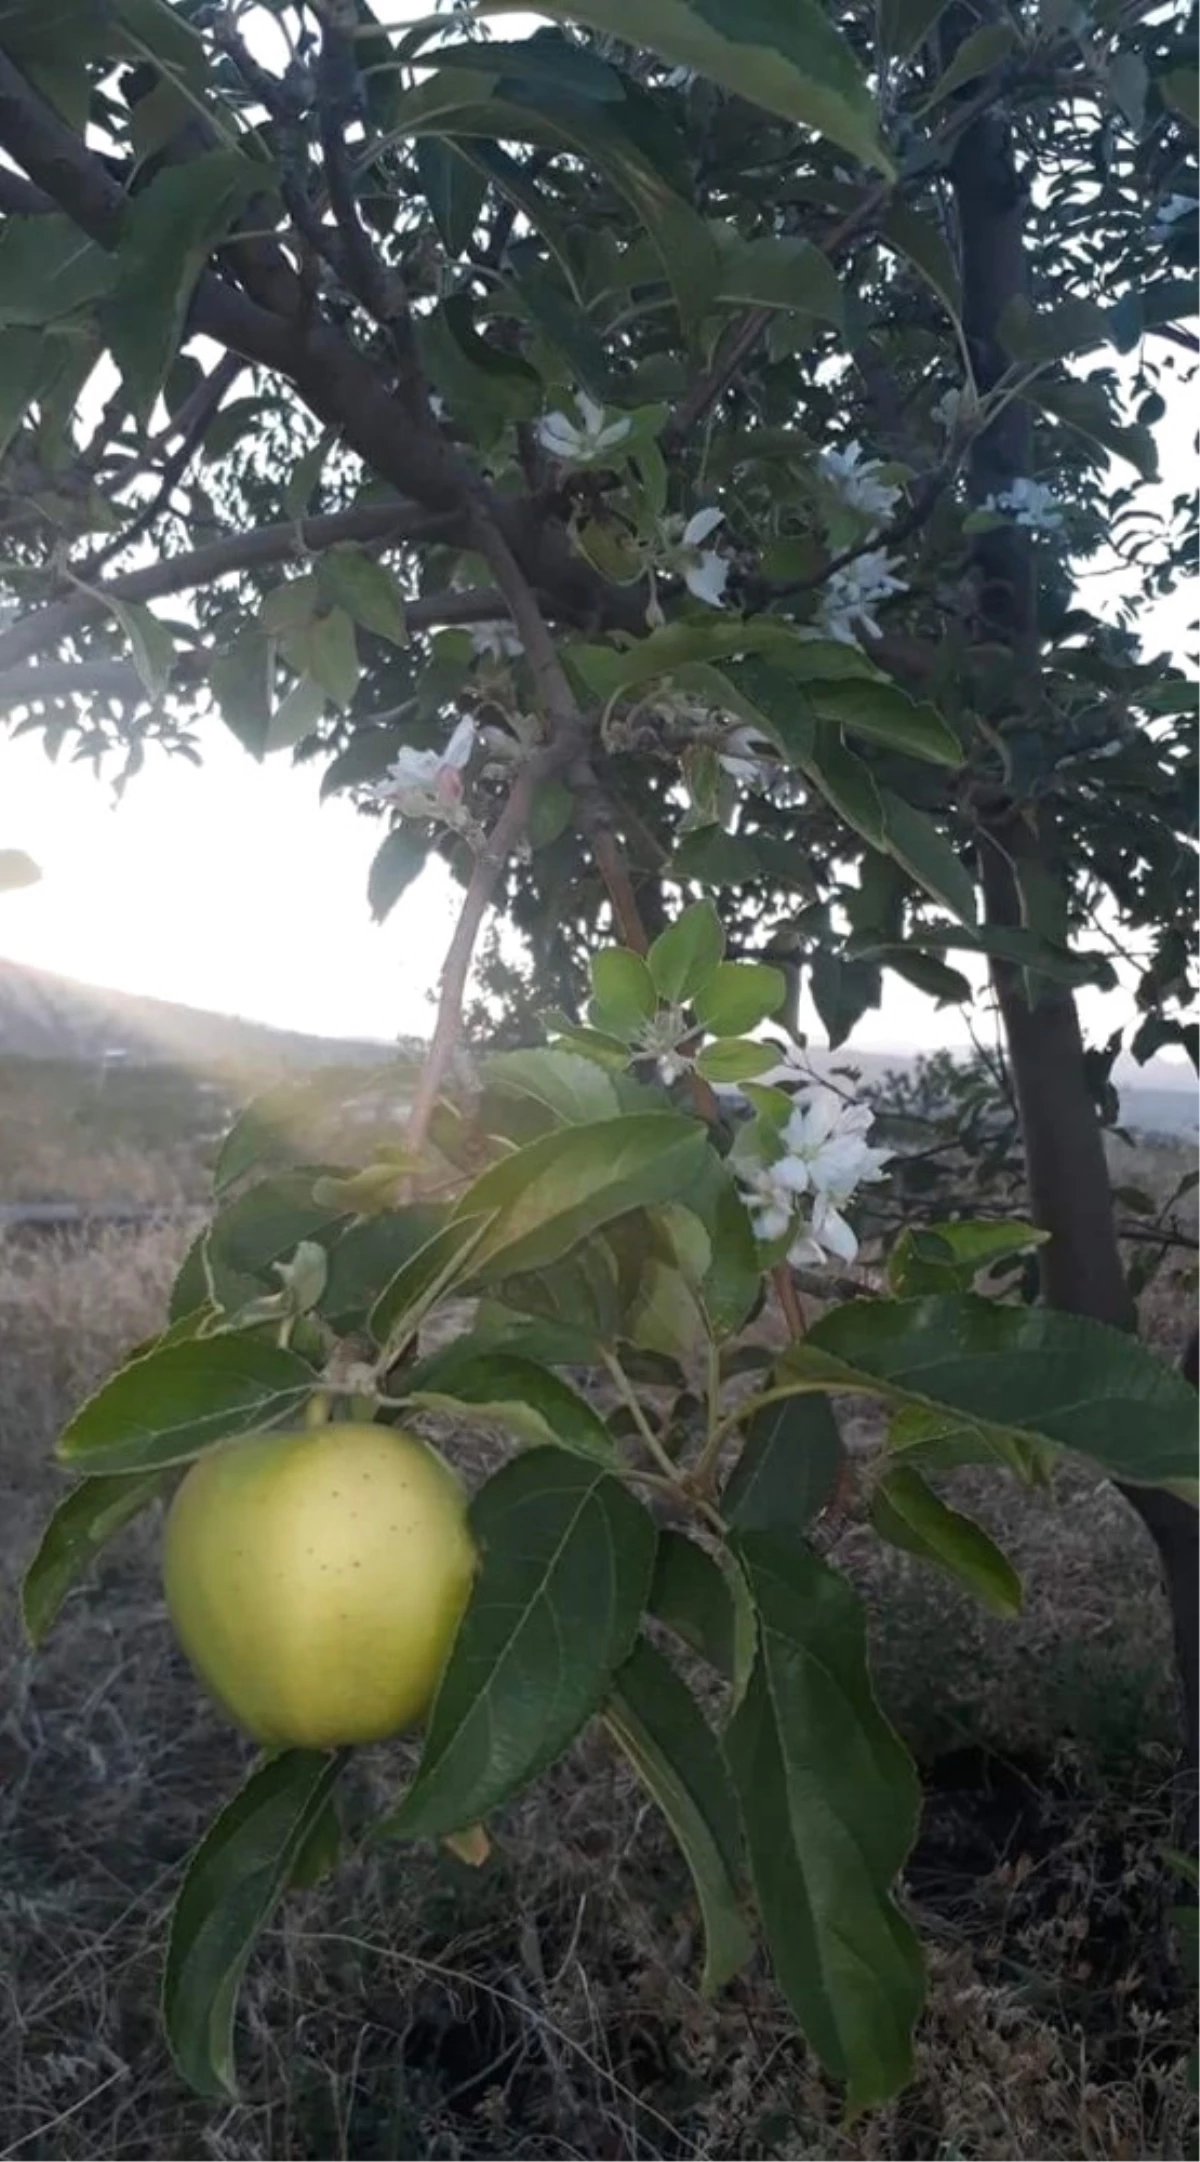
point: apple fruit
(316, 1580)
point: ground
(547, 2005)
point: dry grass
(546, 2006)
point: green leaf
(547, 1197)
(885, 714)
(830, 1803)
(913, 236)
(170, 229)
(276, 1127)
(733, 1280)
(84, 1521)
(606, 1051)
(235, 1880)
(623, 993)
(367, 1257)
(400, 857)
(904, 26)
(787, 1473)
(572, 1090)
(366, 590)
(778, 272)
(908, 1514)
(735, 1058)
(657, 1722)
(579, 1298)
(17, 870)
(691, 1594)
(423, 1281)
(330, 654)
(665, 1316)
(927, 856)
(28, 362)
(738, 995)
(1178, 91)
(512, 1391)
(48, 271)
(1087, 408)
(267, 1223)
(608, 136)
(1074, 326)
(172, 1404)
(567, 1555)
(783, 55)
(150, 641)
(846, 783)
(842, 991)
(1023, 947)
(298, 713)
(240, 677)
(948, 1257)
(453, 188)
(980, 52)
(1012, 1372)
(925, 972)
(685, 955)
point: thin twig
(740, 342)
(379, 522)
(618, 885)
(200, 417)
(504, 837)
(372, 282)
(566, 733)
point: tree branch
(505, 836)
(116, 679)
(340, 387)
(742, 338)
(382, 523)
(202, 411)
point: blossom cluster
(1028, 503)
(853, 593)
(799, 1191)
(860, 484)
(587, 441)
(429, 784)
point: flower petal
(706, 579)
(701, 524)
(460, 746)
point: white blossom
(950, 410)
(827, 1133)
(589, 444)
(742, 758)
(854, 591)
(1028, 503)
(772, 1192)
(704, 572)
(859, 483)
(499, 640)
(428, 784)
(1168, 214)
(824, 1158)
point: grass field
(547, 2005)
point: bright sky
(232, 887)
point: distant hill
(49, 1017)
(43, 1016)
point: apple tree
(655, 463)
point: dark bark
(1082, 1272)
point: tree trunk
(1082, 1272)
